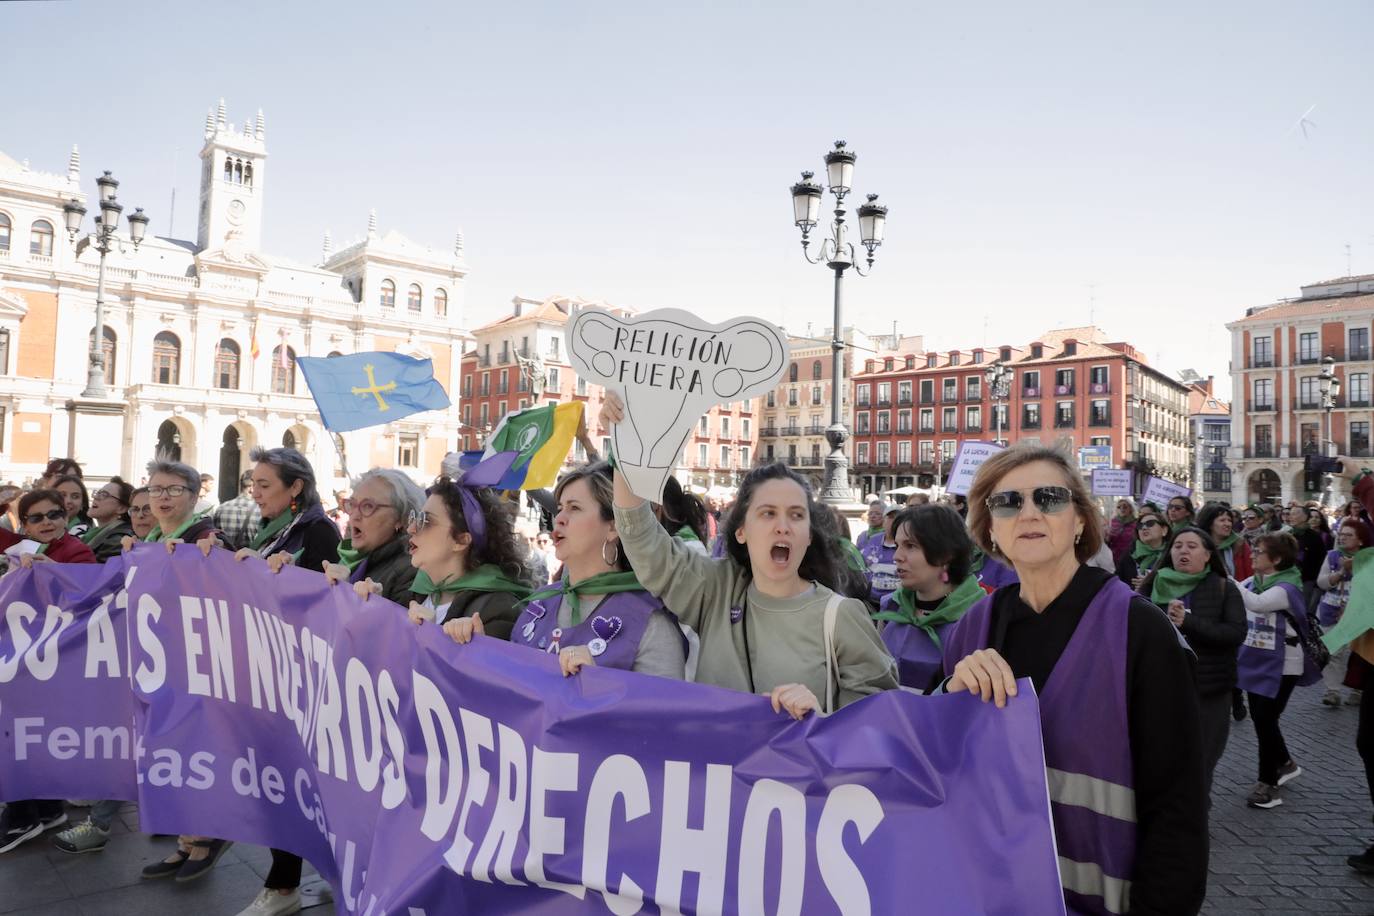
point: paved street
(1287, 860)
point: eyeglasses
(1249, 518)
(1178, 506)
(364, 508)
(51, 515)
(141, 510)
(174, 491)
(1151, 523)
(1049, 500)
(418, 520)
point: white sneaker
(271, 903)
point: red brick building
(1068, 388)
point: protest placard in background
(967, 461)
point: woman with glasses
(1151, 531)
(768, 615)
(110, 518)
(1179, 512)
(375, 553)
(1231, 548)
(141, 513)
(1194, 588)
(173, 489)
(43, 514)
(1271, 661)
(1254, 524)
(1334, 580)
(1118, 710)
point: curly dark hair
(821, 561)
(501, 547)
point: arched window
(107, 350)
(166, 359)
(248, 174)
(333, 353)
(440, 303)
(388, 294)
(413, 297)
(5, 228)
(288, 439)
(816, 369)
(238, 171)
(792, 373)
(228, 169)
(40, 238)
(283, 376)
(227, 364)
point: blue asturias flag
(368, 389)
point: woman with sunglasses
(1231, 548)
(597, 613)
(1194, 588)
(768, 615)
(1151, 531)
(43, 514)
(375, 552)
(1254, 524)
(1334, 581)
(1118, 711)
(1271, 661)
(1179, 512)
(141, 513)
(110, 517)
(936, 589)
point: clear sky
(1042, 161)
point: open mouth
(353, 532)
(780, 553)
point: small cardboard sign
(1091, 457)
(1112, 481)
(670, 367)
(1159, 491)
(967, 461)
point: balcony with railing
(950, 397)
(484, 391)
(1260, 361)
(1063, 422)
(484, 362)
(1063, 390)
(973, 427)
(904, 429)
(1028, 422)
(1357, 355)
(1259, 406)
(1100, 388)
(949, 427)
(768, 432)
(818, 429)
(884, 400)
(793, 431)
(904, 400)
(1030, 392)
(927, 398)
(1260, 451)
(926, 428)
(1100, 418)
(1358, 402)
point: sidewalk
(1287, 860)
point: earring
(1078, 538)
(944, 575)
(615, 549)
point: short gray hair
(176, 469)
(291, 466)
(406, 495)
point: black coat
(498, 611)
(389, 566)
(1215, 627)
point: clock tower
(232, 176)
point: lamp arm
(824, 253)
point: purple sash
(1333, 600)
(882, 568)
(612, 634)
(996, 574)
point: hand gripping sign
(670, 367)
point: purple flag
(420, 776)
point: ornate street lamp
(838, 254)
(1330, 387)
(998, 376)
(105, 240)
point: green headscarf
(486, 578)
(1170, 583)
(606, 583)
(965, 595)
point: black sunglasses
(51, 515)
(1150, 523)
(1049, 500)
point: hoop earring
(615, 558)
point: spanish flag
(528, 447)
(253, 343)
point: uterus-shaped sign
(670, 367)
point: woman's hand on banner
(794, 699)
(335, 572)
(419, 614)
(985, 673)
(244, 553)
(367, 588)
(172, 544)
(206, 545)
(127, 543)
(462, 629)
(574, 658)
(27, 560)
(279, 559)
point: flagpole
(338, 450)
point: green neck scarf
(42, 548)
(1289, 575)
(270, 531)
(94, 537)
(965, 595)
(156, 534)
(852, 555)
(606, 583)
(1170, 583)
(1179, 526)
(350, 557)
(1296, 528)
(486, 578)
(872, 531)
(685, 533)
(1145, 556)
(76, 520)
(1229, 542)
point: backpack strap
(832, 664)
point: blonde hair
(1003, 463)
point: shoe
(166, 869)
(271, 903)
(1264, 796)
(12, 834)
(192, 869)
(84, 837)
(1364, 864)
(1238, 707)
(56, 820)
(1331, 698)
(1353, 697)
(1289, 772)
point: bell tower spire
(232, 180)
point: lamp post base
(836, 489)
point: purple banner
(420, 776)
